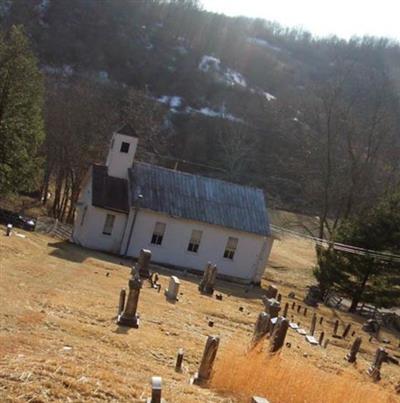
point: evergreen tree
(364, 278)
(21, 122)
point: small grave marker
(173, 289)
(179, 360)
(374, 371)
(207, 361)
(143, 263)
(351, 356)
(278, 335)
(312, 340)
(321, 338)
(346, 331)
(261, 327)
(271, 292)
(313, 324)
(207, 283)
(129, 316)
(156, 389)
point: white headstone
(173, 288)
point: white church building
(185, 220)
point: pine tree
(21, 122)
(364, 278)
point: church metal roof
(199, 198)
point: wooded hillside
(314, 122)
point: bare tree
(237, 150)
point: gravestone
(261, 327)
(129, 316)
(258, 399)
(313, 324)
(278, 335)
(305, 311)
(173, 288)
(335, 327)
(326, 343)
(351, 356)
(279, 297)
(156, 389)
(293, 305)
(121, 303)
(143, 263)
(271, 292)
(207, 361)
(321, 338)
(298, 308)
(374, 371)
(312, 340)
(346, 331)
(9, 229)
(371, 326)
(285, 310)
(207, 283)
(179, 360)
(272, 306)
(313, 296)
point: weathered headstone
(129, 316)
(305, 311)
(313, 324)
(321, 338)
(346, 331)
(156, 389)
(326, 343)
(271, 292)
(371, 326)
(321, 319)
(143, 263)
(278, 335)
(121, 303)
(9, 229)
(298, 308)
(154, 280)
(258, 399)
(207, 283)
(207, 361)
(285, 310)
(374, 371)
(173, 288)
(293, 305)
(313, 296)
(261, 327)
(351, 356)
(312, 340)
(272, 306)
(335, 327)
(179, 360)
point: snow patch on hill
(263, 43)
(211, 64)
(173, 101)
(269, 96)
(212, 113)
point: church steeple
(122, 152)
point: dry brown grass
(283, 380)
(59, 341)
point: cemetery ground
(59, 340)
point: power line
(379, 255)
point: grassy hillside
(59, 340)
